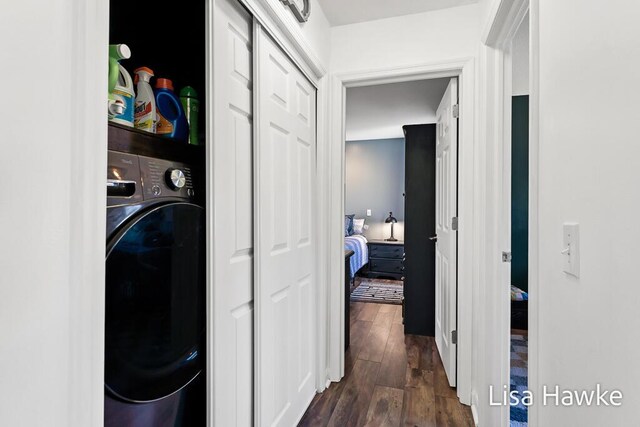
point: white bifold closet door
(285, 169)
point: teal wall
(520, 192)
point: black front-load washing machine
(155, 294)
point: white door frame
(505, 19)
(464, 69)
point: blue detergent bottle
(172, 121)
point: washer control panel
(164, 178)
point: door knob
(434, 238)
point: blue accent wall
(520, 192)
(375, 180)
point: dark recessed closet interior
(170, 39)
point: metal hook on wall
(301, 14)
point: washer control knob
(175, 179)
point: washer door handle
(120, 188)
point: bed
(358, 244)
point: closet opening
(155, 289)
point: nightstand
(386, 259)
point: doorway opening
(393, 169)
(518, 179)
(380, 166)
(390, 198)
(463, 70)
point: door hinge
(454, 337)
(456, 111)
(506, 256)
(454, 223)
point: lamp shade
(390, 219)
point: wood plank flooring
(390, 379)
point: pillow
(518, 294)
(348, 224)
(358, 226)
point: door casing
(504, 20)
(464, 69)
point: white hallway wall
(52, 218)
(315, 31)
(520, 59)
(589, 174)
(418, 39)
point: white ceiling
(379, 112)
(342, 12)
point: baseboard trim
(474, 408)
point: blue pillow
(348, 224)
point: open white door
(446, 210)
(285, 169)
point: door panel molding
(285, 264)
(446, 245)
(230, 217)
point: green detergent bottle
(121, 94)
(191, 105)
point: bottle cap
(144, 70)
(119, 51)
(162, 83)
(188, 92)
(124, 51)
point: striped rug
(378, 290)
(519, 358)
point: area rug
(519, 360)
(378, 290)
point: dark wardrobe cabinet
(420, 228)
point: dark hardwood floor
(390, 379)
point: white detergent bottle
(145, 108)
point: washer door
(155, 303)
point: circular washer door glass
(155, 303)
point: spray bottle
(145, 109)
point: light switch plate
(571, 248)
(368, 212)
